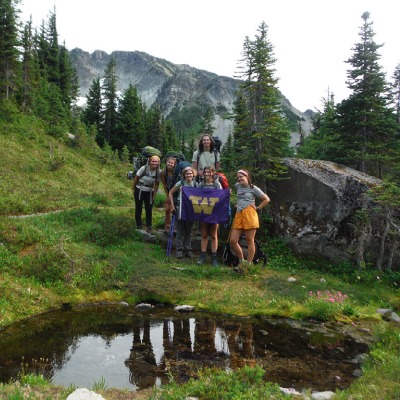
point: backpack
(229, 257)
(176, 154)
(217, 143)
(179, 168)
(149, 151)
(138, 162)
(223, 180)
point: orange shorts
(246, 219)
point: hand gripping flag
(205, 205)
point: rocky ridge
(173, 86)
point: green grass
(89, 251)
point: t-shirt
(179, 184)
(147, 176)
(212, 185)
(206, 159)
(246, 195)
(169, 180)
(183, 182)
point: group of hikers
(201, 173)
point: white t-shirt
(206, 159)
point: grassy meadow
(67, 235)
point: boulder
(312, 209)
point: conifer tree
(265, 127)
(53, 50)
(68, 80)
(322, 143)
(367, 130)
(130, 130)
(29, 72)
(242, 126)
(107, 133)
(170, 141)
(228, 154)
(9, 53)
(206, 126)
(92, 114)
(396, 92)
(154, 127)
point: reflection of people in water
(177, 343)
(142, 362)
(240, 343)
(205, 337)
(181, 357)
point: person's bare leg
(251, 248)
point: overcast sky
(312, 39)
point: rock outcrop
(314, 208)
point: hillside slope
(39, 173)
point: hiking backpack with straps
(175, 154)
(138, 162)
(230, 259)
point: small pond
(134, 349)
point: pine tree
(68, 79)
(322, 143)
(9, 53)
(154, 127)
(242, 155)
(268, 135)
(29, 73)
(130, 130)
(367, 129)
(170, 140)
(396, 92)
(107, 132)
(92, 114)
(228, 154)
(206, 126)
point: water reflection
(135, 350)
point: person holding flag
(183, 226)
(209, 229)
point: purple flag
(205, 205)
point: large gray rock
(313, 208)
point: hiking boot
(214, 261)
(150, 230)
(202, 259)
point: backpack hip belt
(146, 188)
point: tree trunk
(379, 261)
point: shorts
(246, 219)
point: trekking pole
(170, 235)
